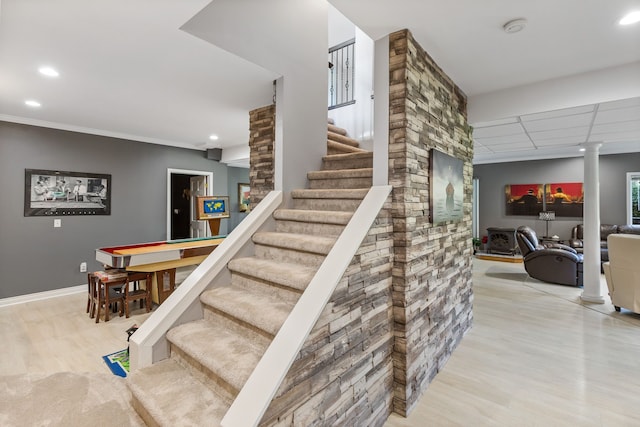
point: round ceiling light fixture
(515, 25)
(32, 103)
(48, 71)
(630, 18)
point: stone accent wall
(262, 133)
(432, 295)
(344, 372)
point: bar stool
(107, 290)
(137, 293)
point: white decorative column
(592, 291)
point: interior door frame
(170, 171)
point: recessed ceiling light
(213, 137)
(583, 149)
(630, 18)
(514, 26)
(32, 103)
(48, 71)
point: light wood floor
(536, 356)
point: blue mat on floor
(118, 362)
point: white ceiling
(127, 70)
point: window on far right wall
(633, 198)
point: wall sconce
(547, 216)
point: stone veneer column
(432, 295)
(262, 125)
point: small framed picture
(244, 201)
(447, 189)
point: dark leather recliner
(553, 263)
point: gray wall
(35, 256)
(236, 175)
(493, 178)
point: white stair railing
(149, 345)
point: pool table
(160, 258)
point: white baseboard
(21, 299)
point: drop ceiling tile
(623, 103)
(558, 113)
(499, 122)
(502, 130)
(618, 115)
(559, 142)
(618, 136)
(580, 131)
(512, 147)
(576, 120)
(501, 140)
(480, 149)
(616, 127)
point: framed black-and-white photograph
(447, 188)
(63, 193)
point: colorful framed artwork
(524, 199)
(64, 193)
(211, 207)
(447, 188)
(244, 200)
(566, 199)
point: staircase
(212, 358)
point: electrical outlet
(83, 267)
(57, 223)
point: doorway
(183, 186)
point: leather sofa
(552, 262)
(622, 271)
(576, 240)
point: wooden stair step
(293, 276)
(165, 394)
(228, 357)
(263, 310)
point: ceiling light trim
(630, 18)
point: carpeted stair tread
(341, 174)
(348, 161)
(333, 147)
(362, 154)
(322, 217)
(335, 129)
(294, 276)
(172, 397)
(298, 242)
(259, 309)
(358, 193)
(228, 355)
(333, 136)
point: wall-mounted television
(211, 207)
